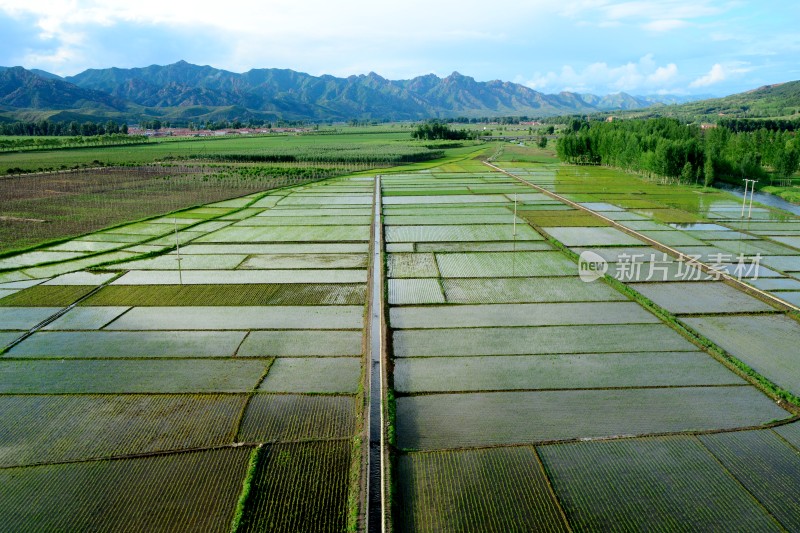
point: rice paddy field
(201, 371)
(619, 399)
(754, 246)
(209, 370)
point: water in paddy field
(766, 199)
(699, 227)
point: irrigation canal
(376, 516)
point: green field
(79, 190)
(224, 295)
(518, 396)
(83, 427)
(415, 291)
(767, 467)
(187, 491)
(636, 485)
(299, 487)
(503, 264)
(47, 296)
(495, 345)
(246, 345)
(498, 489)
(44, 207)
(291, 417)
(351, 148)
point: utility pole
(178, 251)
(752, 189)
(752, 185)
(515, 214)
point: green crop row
(82, 427)
(192, 491)
(488, 490)
(666, 484)
(299, 487)
(213, 295)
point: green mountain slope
(770, 101)
(182, 91)
(20, 88)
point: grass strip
(354, 493)
(246, 485)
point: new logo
(591, 266)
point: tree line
(667, 148)
(46, 128)
(508, 120)
(19, 144)
(742, 124)
(432, 131)
(157, 124)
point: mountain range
(184, 92)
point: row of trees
(157, 124)
(742, 124)
(46, 128)
(49, 143)
(667, 148)
(487, 120)
(433, 131)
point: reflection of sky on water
(766, 199)
(699, 227)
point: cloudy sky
(709, 47)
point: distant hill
(20, 88)
(780, 100)
(183, 92)
(46, 75)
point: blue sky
(708, 47)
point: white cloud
(715, 75)
(576, 8)
(315, 35)
(663, 75)
(643, 75)
(285, 18)
(661, 16)
(663, 25)
(675, 9)
(587, 45)
(720, 73)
